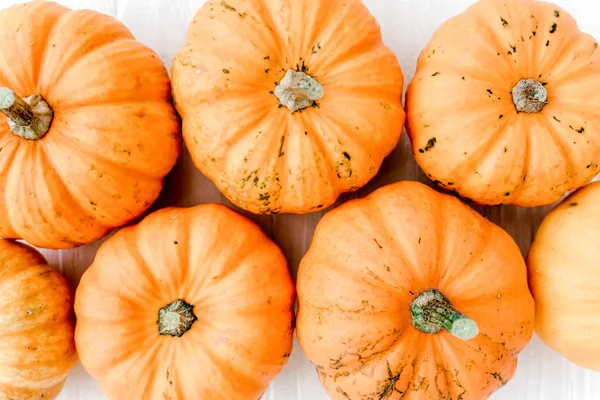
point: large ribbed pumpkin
(503, 108)
(287, 104)
(409, 294)
(190, 304)
(37, 323)
(89, 132)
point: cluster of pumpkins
(285, 105)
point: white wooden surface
(407, 25)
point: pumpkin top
(502, 108)
(204, 281)
(89, 130)
(278, 100)
(433, 298)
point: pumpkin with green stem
(285, 106)
(408, 293)
(503, 106)
(189, 304)
(88, 132)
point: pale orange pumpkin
(564, 275)
(287, 104)
(37, 323)
(408, 293)
(503, 106)
(189, 304)
(90, 131)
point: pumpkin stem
(529, 96)
(176, 318)
(431, 312)
(298, 91)
(29, 118)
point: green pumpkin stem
(298, 91)
(176, 318)
(431, 312)
(529, 96)
(29, 118)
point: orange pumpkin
(503, 106)
(409, 293)
(564, 276)
(37, 349)
(90, 131)
(189, 304)
(284, 106)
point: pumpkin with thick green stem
(287, 104)
(88, 132)
(408, 293)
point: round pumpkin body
(102, 131)
(409, 294)
(284, 106)
(202, 308)
(502, 108)
(564, 276)
(37, 349)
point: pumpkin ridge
(332, 120)
(67, 140)
(42, 61)
(565, 149)
(46, 83)
(484, 150)
(318, 143)
(263, 12)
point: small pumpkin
(90, 131)
(564, 276)
(409, 293)
(189, 304)
(37, 350)
(503, 106)
(284, 106)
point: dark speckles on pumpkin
(589, 165)
(547, 43)
(507, 194)
(267, 70)
(581, 130)
(514, 48)
(436, 74)
(490, 92)
(175, 242)
(534, 33)
(430, 144)
(504, 22)
(506, 149)
(463, 78)
(264, 197)
(553, 28)
(226, 71)
(574, 204)
(227, 6)
(346, 155)
(281, 143)
(557, 13)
